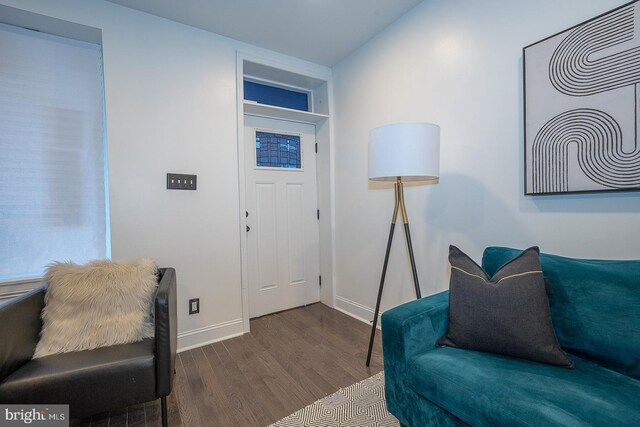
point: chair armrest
(20, 330)
(411, 329)
(166, 331)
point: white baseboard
(356, 310)
(209, 334)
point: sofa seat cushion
(107, 377)
(485, 389)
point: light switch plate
(180, 181)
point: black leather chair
(91, 381)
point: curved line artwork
(582, 90)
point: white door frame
(324, 159)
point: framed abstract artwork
(581, 102)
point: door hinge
(316, 147)
(318, 214)
(320, 280)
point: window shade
(53, 204)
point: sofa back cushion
(595, 306)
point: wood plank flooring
(289, 360)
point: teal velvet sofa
(595, 308)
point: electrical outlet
(180, 181)
(194, 306)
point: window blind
(53, 203)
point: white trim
(273, 112)
(332, 194)
(308, 69)
(356, 310)
(242, 202)
(50, 25)
(305, 70)
(209, 334)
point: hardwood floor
(289, 360)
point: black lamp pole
(399, 204)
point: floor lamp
(400, 153)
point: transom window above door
(277, 150)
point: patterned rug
(359, 405)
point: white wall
(171, 107)
(457, 63)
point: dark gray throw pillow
(506, 314)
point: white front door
(282, 226)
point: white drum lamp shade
(410, 151)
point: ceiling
(320, 31)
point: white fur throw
(99, 304)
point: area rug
(359, 405)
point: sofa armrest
(414, 327)
(166, 331)
(20, 330)
(408, 330)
